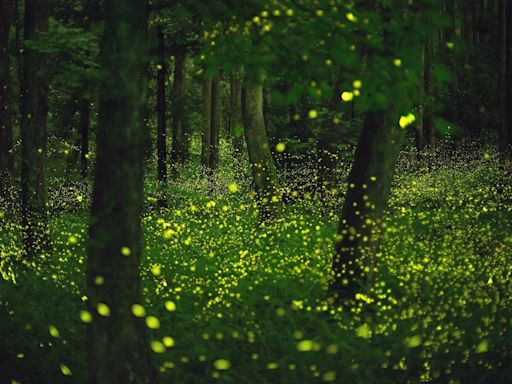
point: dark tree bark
(428, 121)
(34, 134)
(85, 114)
(235, 116)
(161, 108)
(260, 157)
(369, 184)
(117, 347)
(505, 81)
(207, 123)
(211, 114)
(215, 125)
(179, 150)
(6, 134)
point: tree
(210, 134)
(6, 134)
(369, 184)
(207, 122)
(505, 81)
(34, 130)
(179, 150)
(116, 343)
(161, 116)
(235, 106)
(260, 157)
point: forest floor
(237, 302)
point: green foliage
(238, 302)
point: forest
(256, 191)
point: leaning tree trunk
(34, 133)
(117, 347)
(6, 135)
(161, 108)
(179, 150)
(369, 184)
(260, 157)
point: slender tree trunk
(215, 125)
(85, 114)
(235, 120)
(6, 134)
(420, 121)
(207, 123)
(428, 121)
(508, 86)
(179, 151)
(161, 108)
(117, 347)
(369, 184)
(34, 135)
(503, 92)
(260, 157)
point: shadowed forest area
(257, 191)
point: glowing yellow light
(280, 147)
(170, 306)
(168, 341)
(157, 346)
(125, 251)
(406, 120)
(351, 17)
(65, 370)
(364, 331)
(305, 345)
(347, 96)
(414, 341)
(313, 114)
(54, 332)
(397, 63)
(138, 310)
(222, 364)
(103, 309)
(357, 84)
(86, 316)
(233, 187)
(152, 322)
(482, 347)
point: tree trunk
(207, 123)
(214, 135)
(428, 121)
(235, 120)
(6, 134)
(34, 134)
(161, 107)
(85, 113)
(504, 115)
(260, 157)
(117, 347)
(369, 184)
(179, 151)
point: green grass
(440, 310)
